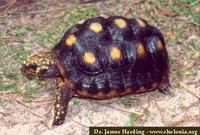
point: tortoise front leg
(64, 95)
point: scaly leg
(64, 95)
(164, 87)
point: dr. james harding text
(118, 132)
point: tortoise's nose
(23, 69)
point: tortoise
(103, 58)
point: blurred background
(31, 26)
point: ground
(28, 27)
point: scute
(115, 56)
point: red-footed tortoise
(103, 58)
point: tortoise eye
(33, 66)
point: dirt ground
(30, 26)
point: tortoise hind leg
(164, 87)
(64, 95)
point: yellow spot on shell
(159, 45)
(140, 50)
(96, 27)
(115, 53)
(141, 23)
(120, 23)
(71, 39)
(89, 58)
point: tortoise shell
(110, 57)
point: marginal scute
(100, 94)
(120, 23)
(84, 93)
(69, 83)
(159, 45)
(141, 89)
(141, 23)
(115, 53)
(154, 85)
(140, 50)
(127, 91)
(88, 58)
(70, 40)
(95, 27)
(112, 93)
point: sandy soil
(36, 119)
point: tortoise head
(37, 64)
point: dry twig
(48, 10)
(7, 6)
(126, 111)
(3, 98)
(128, 8)
(194, 103)
(185, 119)
(34, 113)
(44, 103)
(190, 90)
(80, 124)
(7, 92)
(161, 114)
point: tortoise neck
(47, 56)
(49, 60)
